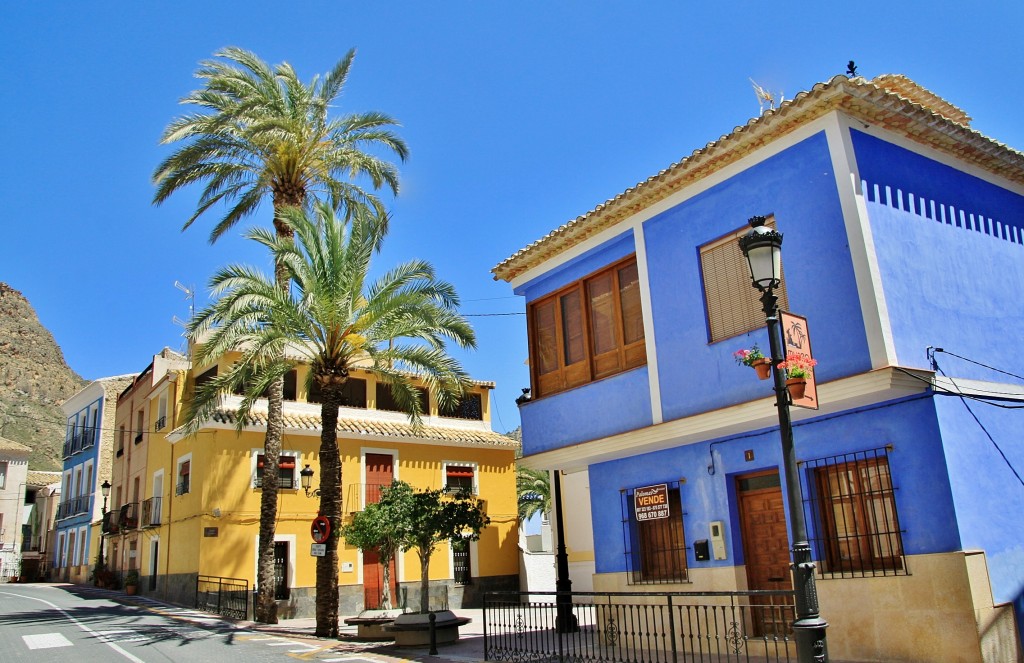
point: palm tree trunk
(266, 604)
(330, 507)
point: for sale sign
(651, 502)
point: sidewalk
(468, 649)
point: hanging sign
(318, 549)
(651, 502)
(320, 529)
(796, 339)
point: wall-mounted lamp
(524, 398)
(306, 477)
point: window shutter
(733, 304)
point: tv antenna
(190, 295)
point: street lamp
(306, 477)
(762, 247)
(105, 490)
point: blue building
(88, 448)
(904, 250)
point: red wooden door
(765, 546)
(379, 472)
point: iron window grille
(655, 549)
(857, 527)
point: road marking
(122, 652)
(46, 641)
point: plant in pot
(131, 582)
(101, 576)
(755, 359)
(797, 368)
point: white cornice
(839, 395)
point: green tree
(379, 527)
(433, 517)
(260, 131)
(534, 492)
(334, 316)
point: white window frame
(184, 458)
(461, 463)
(254, 455)
(284, 538)
(3, 474)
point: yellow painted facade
(207, 522)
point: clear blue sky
(519, 117)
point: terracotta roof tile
(41, 478)
(376, 428)
(11, 445)
(890, 101)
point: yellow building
(203, 494)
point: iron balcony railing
(160, 423)
(151, 512)
(74, 506)
(649, 627)
(129, 516)
(110, 522)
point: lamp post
(105, 489)
(762, 247)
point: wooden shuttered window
(587, 331)
(733, 304)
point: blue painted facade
(78, 508)
(946, 252)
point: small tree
(420, 521)
(379, 527)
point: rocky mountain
(34, 381)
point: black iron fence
(641, 626)
(225, 596)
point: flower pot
(131, 589)
(796, 387)
(763, 368)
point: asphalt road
(46, 623)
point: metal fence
(225, 596)
(749, 626)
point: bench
(371, 624)
(413, 629)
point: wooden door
(765, 547)
(379, 473)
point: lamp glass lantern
(306, 478)
(762, 247)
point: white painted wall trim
(653, 382)
(875, 312)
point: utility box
(701, 550)
(717, 531)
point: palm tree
(534, 490)
(262, 132)
(334, 317)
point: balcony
(129, 516)
(110, 520)
(160, 423)
(138, 438)
(182, 488)
(74, 506)
(151, 512)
